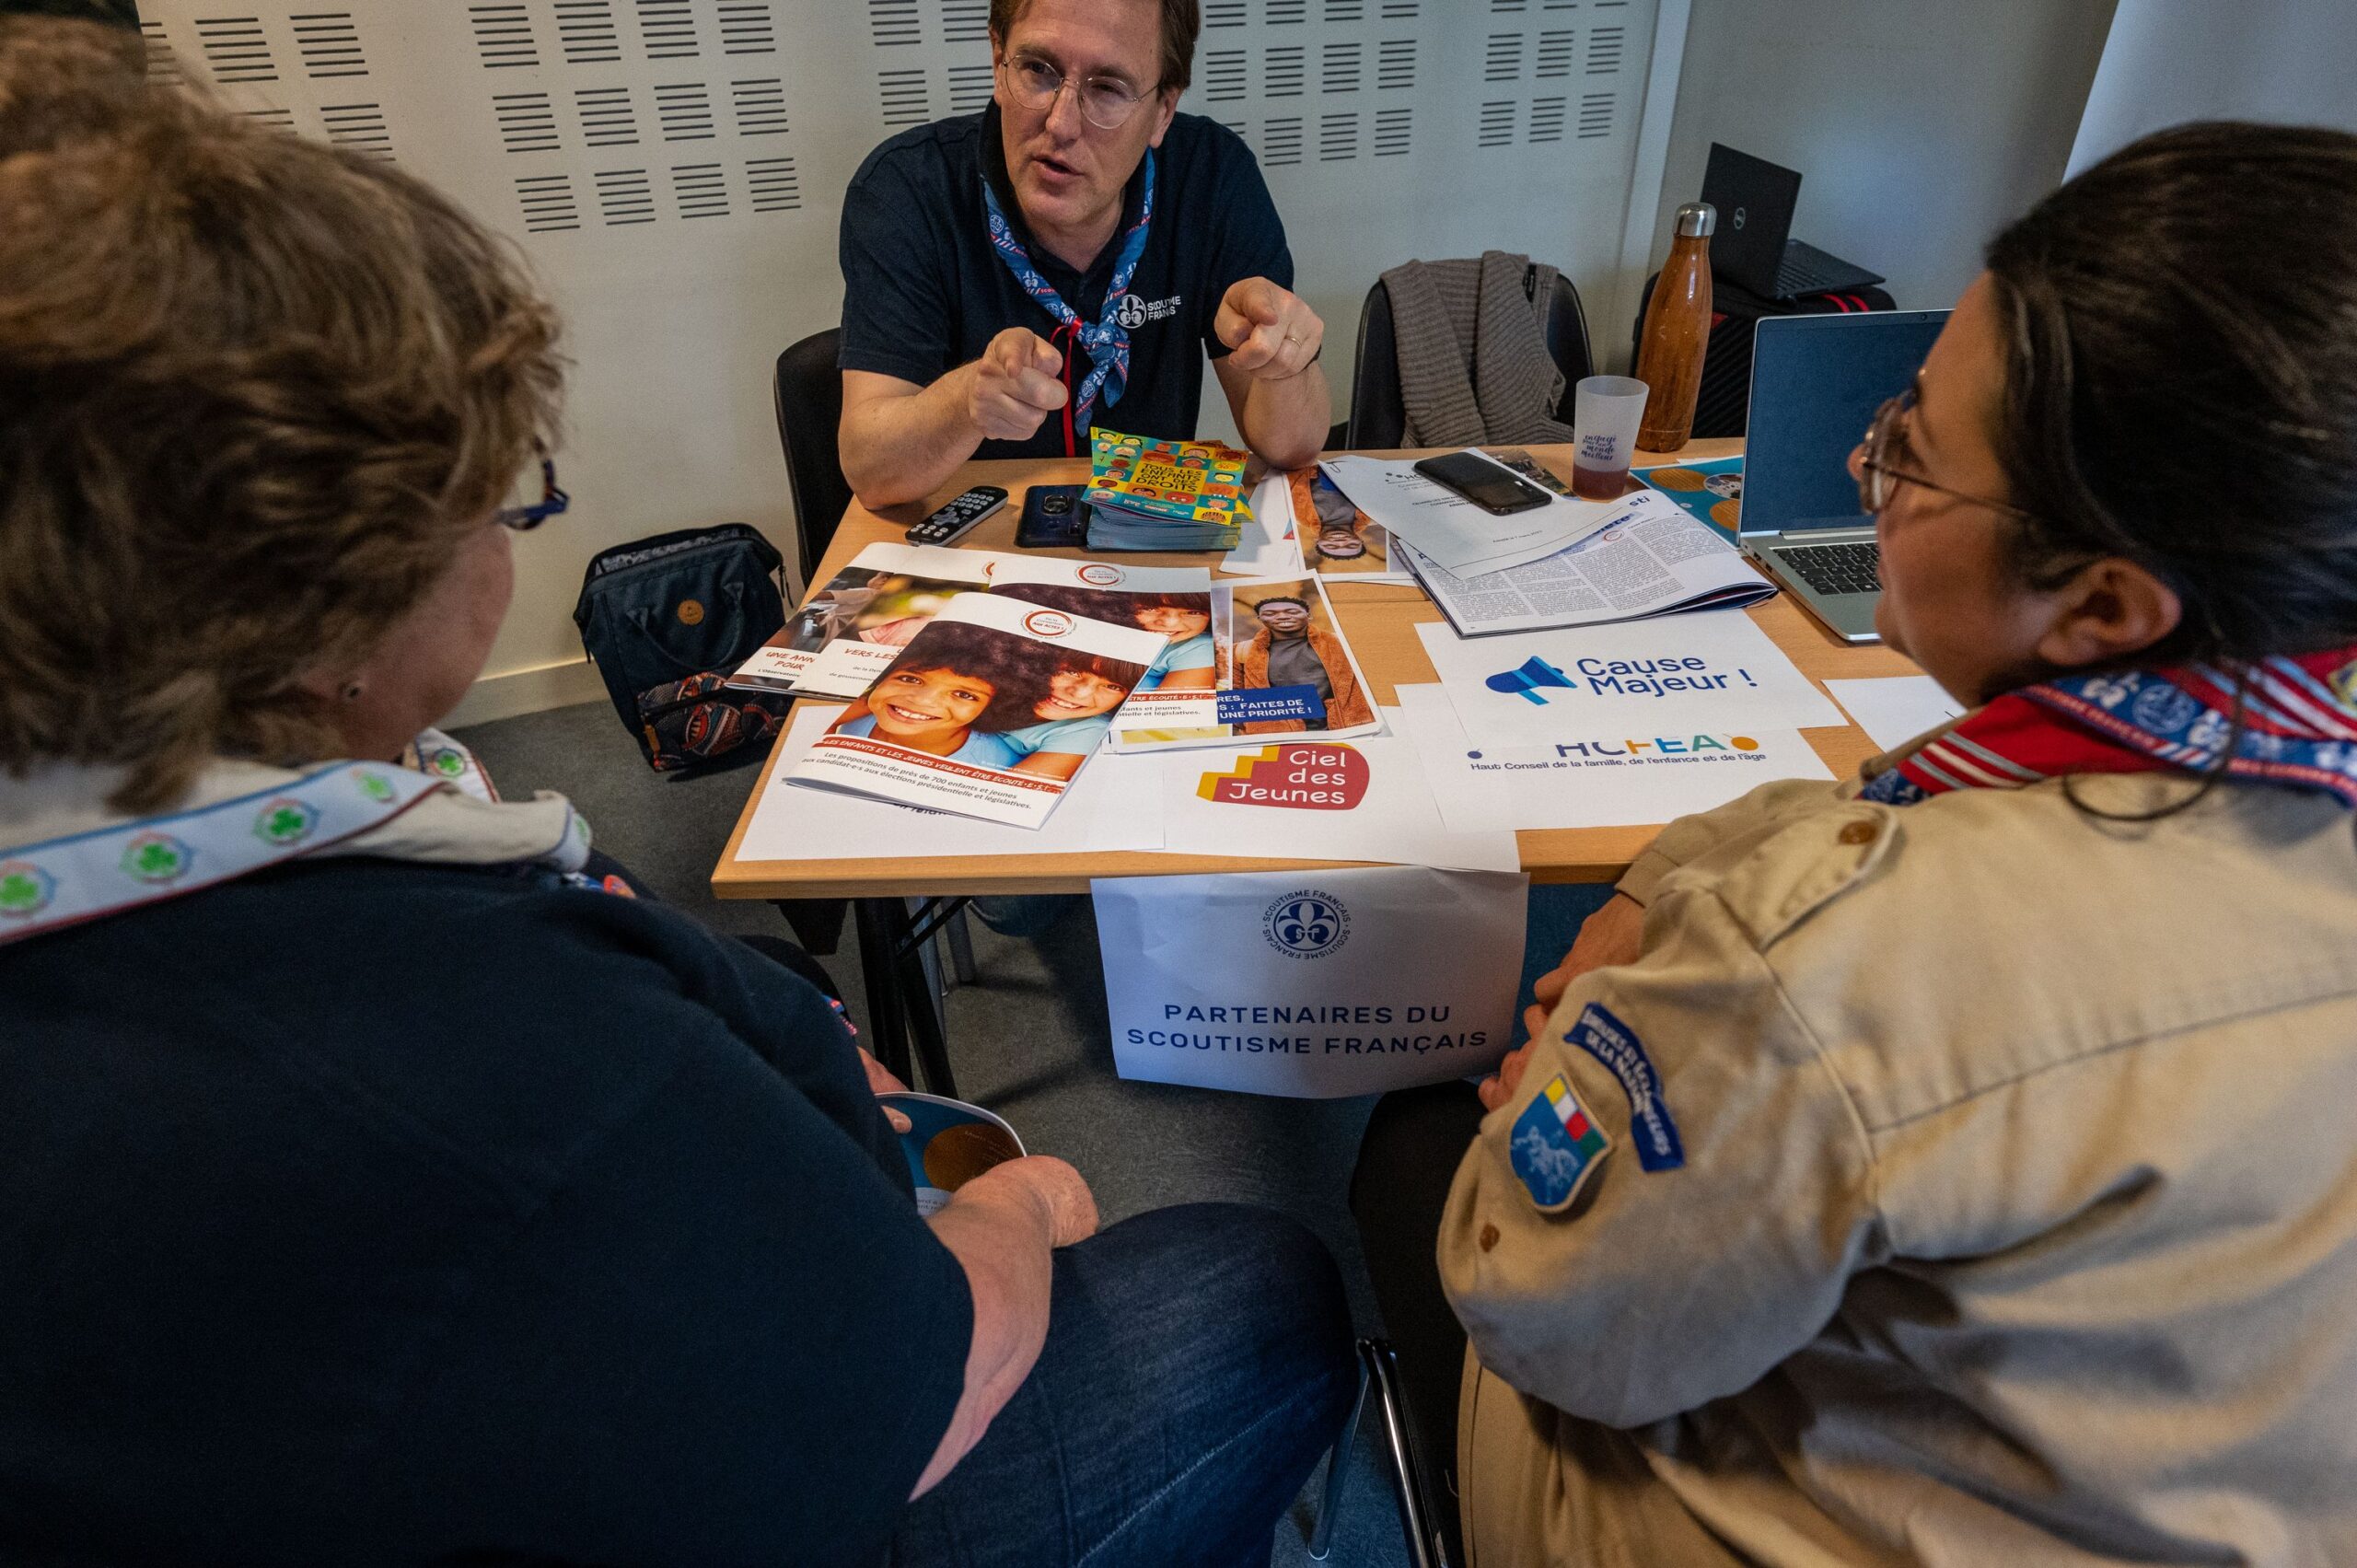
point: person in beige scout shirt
(1959, 1164)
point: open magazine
(1649, 558)
(1279, 665)
(967, 718)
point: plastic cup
(1606, 413)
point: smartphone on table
(1054, 517)
(1488, 485)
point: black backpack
(666, 619)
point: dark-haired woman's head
(2140, 429)
(956, 676)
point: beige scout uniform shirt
(2019, 1217)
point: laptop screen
(1816, 382)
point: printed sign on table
(1608, 779)
(1363, 799)
(1312, 985)
(1711, 668)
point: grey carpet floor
(1028, 1038)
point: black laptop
(1754, 248)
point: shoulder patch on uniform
(1555, 1147)
(1618, 1049)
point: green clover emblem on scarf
(24, 889)
(285, 822)
(154, 857)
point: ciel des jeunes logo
(1098, 575)
(1309, 922)
(1047, 623)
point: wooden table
(1380, 620)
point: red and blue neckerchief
(2298, 728)
(1107, 341)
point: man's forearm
(1004, 1245)
(1286, 421)
(900, 449)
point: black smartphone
(1054, 517)
(1490, 486)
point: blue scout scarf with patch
(73, 877)
(1107, 341)
(2299, 727)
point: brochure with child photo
(1279, 665)
(970, 717)
(838, 641)
(948, 1143)
(1172, 602)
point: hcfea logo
(1309, 922)
(1047, 623)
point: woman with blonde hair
(378, 1187)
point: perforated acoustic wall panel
(674, 169)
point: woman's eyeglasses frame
(524, 519)
(1878, 482)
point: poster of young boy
(834, 645)
(1281, 668)
(942, 726)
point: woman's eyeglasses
(1878, 482)
(523, 519)
(1106, 102)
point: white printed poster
(1311, 984)
(1607, 779)
(1311, 800)
(1712, 670)
(1895, 709)
(1113, 805)
(964, 719)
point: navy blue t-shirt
(364, 1213)
(924, 290)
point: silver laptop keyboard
(1835, 568)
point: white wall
(1919, 126)
(2292, 62)
(674, 169)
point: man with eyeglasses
(1014, 277)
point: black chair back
(808, 394)
(1378, 417)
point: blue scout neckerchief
(83, 875)
(1107, 341)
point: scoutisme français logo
(1309, 922)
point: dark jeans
(1198, 1363)
(1414, 1141)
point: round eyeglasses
(1106, 102)
(524, 519)
(1878, 482)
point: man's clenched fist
(1272, 332)
(1014, 386)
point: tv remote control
(954, 520)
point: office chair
(809, 396)
(1379, 419)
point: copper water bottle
(1678, 331)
